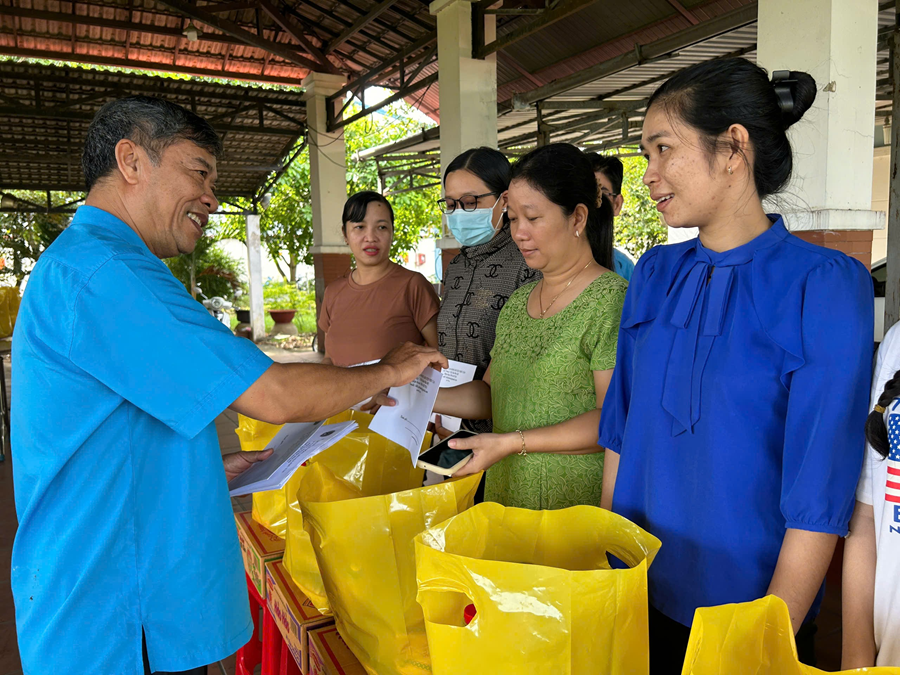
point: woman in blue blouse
(734, 414)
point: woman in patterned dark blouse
(489, 267)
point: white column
(327, 164)
(835, 42)
(468, 104)
(254, 267)
(328, 185)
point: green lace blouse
(542, 373)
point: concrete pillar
(468, 105)
(828, 200)
(328, 185)
(254, 268)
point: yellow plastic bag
(366, 555)
(545, 597)
(9, 309)
(270, 507)
(362, 460)
(751, 638)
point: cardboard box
(258, 547)
(293, 612)
(330, 655)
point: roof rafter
(297, 34)
(233, 29)
(359, 24)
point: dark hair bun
(796, 92)
(712, 95)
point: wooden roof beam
(295, 32)
(229, 28)
(359, 24)
(686, 13)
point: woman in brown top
(379, 304)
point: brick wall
(855, 243)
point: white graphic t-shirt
(880, 487)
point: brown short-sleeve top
(363, 323)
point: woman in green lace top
(556, 343)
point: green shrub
(284, 295)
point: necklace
(541, 302)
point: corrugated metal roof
(149, 32)
(517, 129)
(656, 26)
(45, 112)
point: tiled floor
(828, 642)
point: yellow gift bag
(751, 638)
(270, 508)
(364, 547)
(9, 309)
(545, 598)
(363, 461)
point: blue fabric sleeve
(623, 265)
(618, 396)
(137, 331)
(828, 403)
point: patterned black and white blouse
(477, 284)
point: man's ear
(129, 160)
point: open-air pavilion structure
(508, 73)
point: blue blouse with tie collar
(737, 407)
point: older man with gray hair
(126, 559)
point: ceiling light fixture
(191, 32)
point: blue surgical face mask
(471, 228)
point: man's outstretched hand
(408, 361)
(238, 462)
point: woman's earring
(730, 170)
(577, 233)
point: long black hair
(610, 166)
(489, 165)
(876, 432)
(713, 95)
(564, 175)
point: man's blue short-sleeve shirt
(124, 518)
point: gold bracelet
(523, 451)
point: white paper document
(458, 373)
(407, 422)
(293, 445)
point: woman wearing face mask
(556, 343)
(479, 280)
(733, 420)
(379, 304)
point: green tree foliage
(212, 270)
(286, 225)
(415, 213)
(638, 227)
(25, 236)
